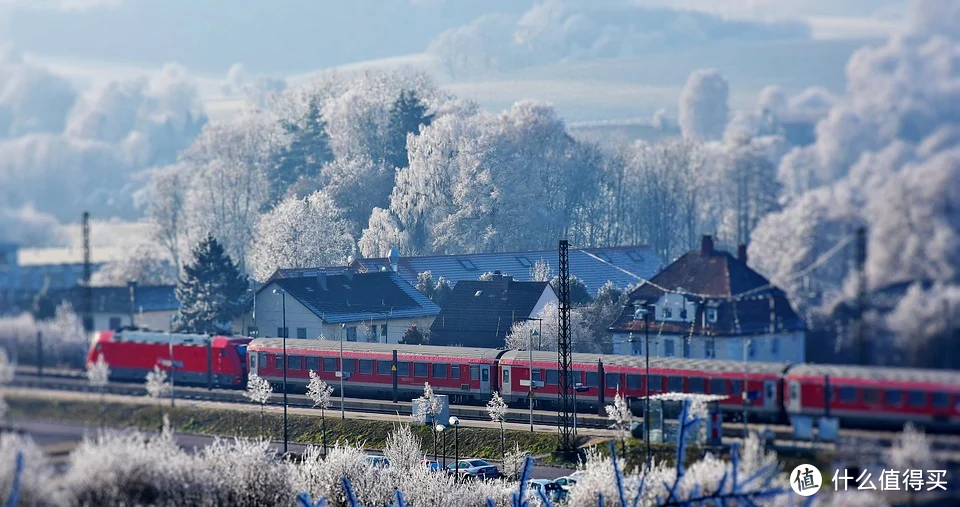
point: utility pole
(564, 358)
(87, 290)
(860, 258)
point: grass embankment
(474, 442)
(667, 453)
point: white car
(476, 468)
(567, 482)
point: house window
(751, 348)
(439, 371)
(667, 312)
(686, 347)
(711, 314)
(252, 331)
(383, 332)
(525, 262)
(469, 266)
(373, 332)
(352, 334)
(668, 348)
(420, 369)
(366, 366)
(383, 367)
(604, 257)
(709, 350)
(302, 333)
(313, 363)
(282, 332)
(330, 364)
(115, 323)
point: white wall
(155, 321)
(766, 348)
(546, 298)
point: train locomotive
(190, 359)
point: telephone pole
(566, 444)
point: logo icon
(805, 480)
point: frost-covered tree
(259, 391)
(497, 410)
(319, 392)
(541, 271)
(305, 145)
(209, 291)
(7, 372)
(142, 263)
(514, 461)
(621, 418)
(752, 191)
(582, 337)
(911, 450)
(703, 105)
(300, 233)
(407, 114)
(98, 374)
(158, 387)
(166, 211)
(926, 324)
(579, 294)
(381, 234)
(413, 336)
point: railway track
(74, 380)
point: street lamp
(645, 315)
(283, 313)
(455, 422)
(440, 429)
(533, 383)
(577, 388)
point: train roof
(882, 373)
(661, 363)
(143, 336)
(385, 348)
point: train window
(871, 396)
(656, 383)
(474, 372)
(263, 360)
(455, 371)
(553, 377)
(612, 381)
(506, 376)
(634, 382)
(697, 385)
(941, 400)
(848, 395)
(893, 397)
(675, 384)
(718, 386)
(916, 398)
(294, 362)
(383, 367)
(736, 388)
(592, 379)
(349, 365)
(330, 364)
(439, 371)
(420, 369)
(313, 363)
(403, 369)
(537, 376)
(366, 366)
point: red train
(197, 359)
(858, 396)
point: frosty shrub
(64, 341)
(911, 450)
(37, 474)
(321, 477)
(497, 409)
(513, 462)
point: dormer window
(711, 314)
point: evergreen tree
(579, 295)
(210, 291)
(407, 114)
(307, 152)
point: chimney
(742, 253)
(322, 280)
(706, 245)
(505, 281)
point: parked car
(433, 466)
(551, 489)
(377, 461)
(567, 482)
(476, 468)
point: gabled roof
(624, 265)
(740, 295)
(354, 297)
(481, 313)
(148, 298)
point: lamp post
(532, 382)
(645, 315)
(455, 422)
(341, 373)
(443, 453)
(745, 392)
(283, 313)
(577, 387)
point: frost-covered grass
(476, 442)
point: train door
(769, 395)
(505, 381)
(793, 401)
(485, 378)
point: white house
(373, 307)
(709, 304)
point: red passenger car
(198, 359)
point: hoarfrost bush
(64, 341)
(321, 477)
(37, 474)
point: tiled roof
(481, 313)
(354, 297)
(148, 298)
(624, 266)
(714, 276)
